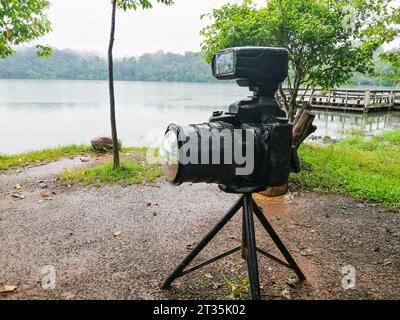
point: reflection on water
(336, 124)
(37, 114)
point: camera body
(255, 127)
(273, 137)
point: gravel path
(74, 233)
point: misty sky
(84, 25)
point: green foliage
(327, 40)
(21, 22)
(127, 173)
(367, 169)
(44, 52)
(66, 64)
(393, 58)
(136, 4)
(34, 157)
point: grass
(35, 157)
(366, 169)
(237, 289)
(128, 173)
(133, 169)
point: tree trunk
(302, 128)
(111, 87)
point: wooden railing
(349, 99)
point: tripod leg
(251, 253)
(244, 242)
(278, 242)
(200, 246)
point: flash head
(261, 69)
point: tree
(327, 40)
(20, 22)
(125, 5)
(393, 58)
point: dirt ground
(121, 242)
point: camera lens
(200, 153)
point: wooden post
(391, 99)
(367, 100)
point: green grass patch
(237, 289)
(367, 169)
(127, 174)
(36, 157)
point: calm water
(37, 114)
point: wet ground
(121, 242)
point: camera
(246, 149)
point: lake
(36, 114)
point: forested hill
(159, 66)
(67, 64)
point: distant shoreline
(189, 67)
(371, 87)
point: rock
(103, 143)
(360, 205)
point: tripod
(248, 247)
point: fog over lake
(36, 114)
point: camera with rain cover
(246, 149)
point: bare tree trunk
(111, 87)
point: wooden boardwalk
(351, 100)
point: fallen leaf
(18, 196)
(45, 194)
(17, 186)
(118, 233)
(216, 285)
(149, 204)
(117, 197)
(306, 252)
(190, 246)
(8, 288)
